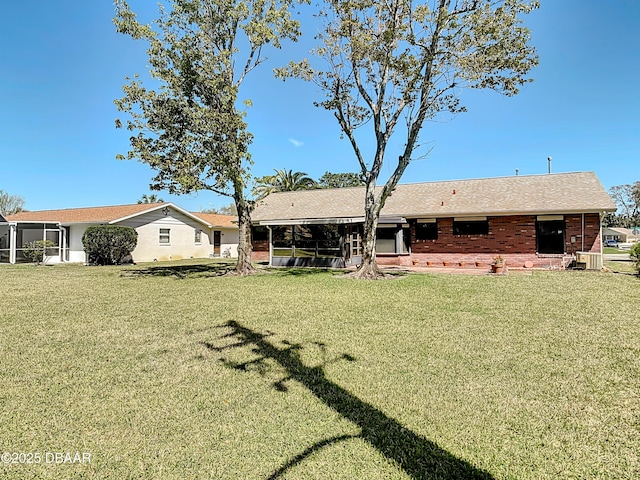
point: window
(165, 236)
(550, 235)
(426, 230)
(198, 237)
(470, 226)
(307, 241)
(386, 239)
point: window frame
(164, 233)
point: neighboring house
(621, 235)
(537, 220)
(165, 232)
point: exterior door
(217, 241)
(550, 236)
(355, 245)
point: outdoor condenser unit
(591, 261)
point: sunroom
(15, 235)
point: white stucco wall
(229, 239)
(182, 237)
(76, 249)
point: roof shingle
(532, 194)
(84, 215)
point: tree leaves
(399, 59)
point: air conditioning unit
(591, 261)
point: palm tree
(283, 181)
(152, 198)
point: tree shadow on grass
(418, 457)
(181, 271)
(303, 271)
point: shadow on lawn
(181, 271)
(303, 271)
(419, 457)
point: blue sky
(62, 64)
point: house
(165, 232)
(536, 220)
(621, 235)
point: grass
(174, 371)
(614, 250)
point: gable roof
(218, 220)
(531, 194)
(106, 214)
(2, 218)
(623, 231)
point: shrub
(635, 255)
(37, 250)
(109, 244)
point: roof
(107, 214)
(112, 214)
(624, 231)
(557, 193)
(2, 218)
(218, 220)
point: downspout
(270, 246)
(602, 214)
(582, 235)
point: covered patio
(15, 235)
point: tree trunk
(244, 266)
(368, 269)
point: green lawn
(607, 250)
(171, 371)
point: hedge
(109, 244)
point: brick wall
(512, 237)
(260, 250)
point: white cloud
(296, 143)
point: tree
(283, 181)
(394, 65)
(152, 198)
(627, 198)
(10, 204)
(191, 129)
(229, 209)
(340, 180)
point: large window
(470, 226)
(393, 238)
(550, 233)
(306, 241)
